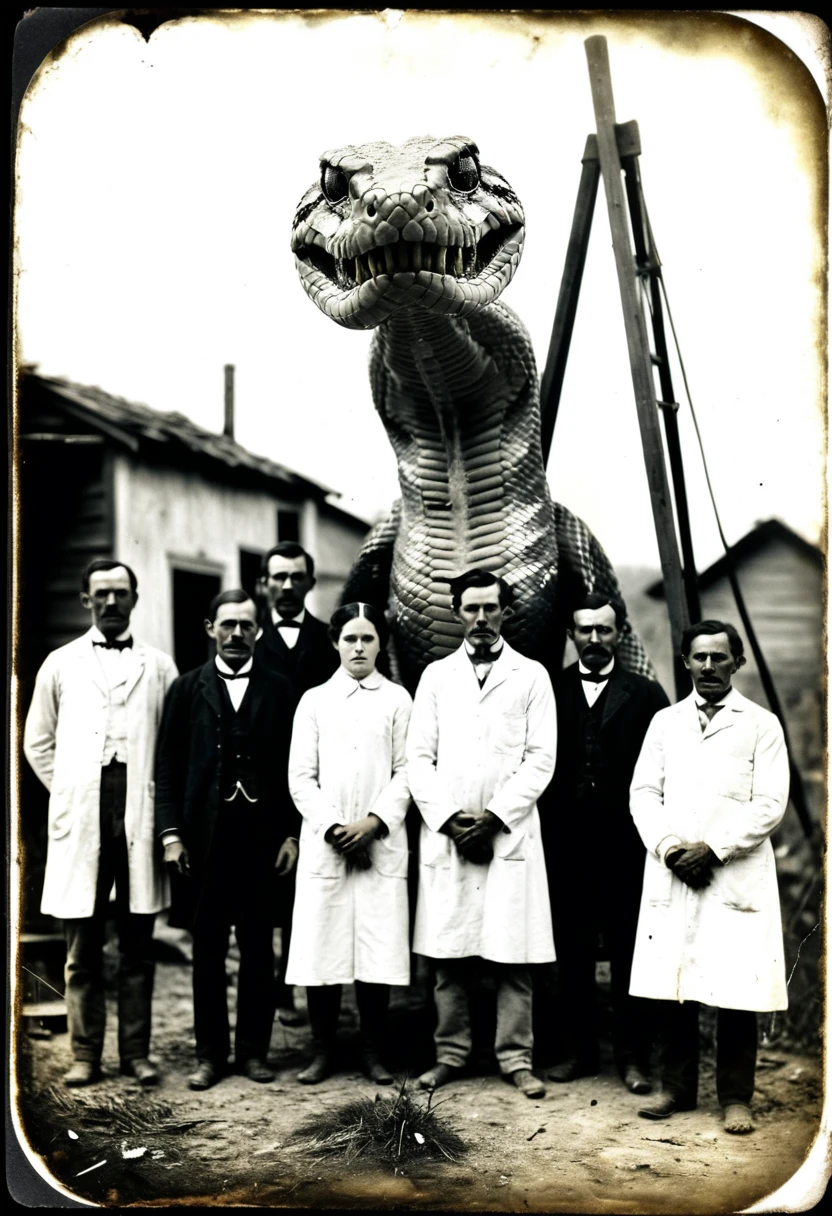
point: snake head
(425, 225)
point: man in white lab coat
(481, 750)
(709, 788)
(90, 737)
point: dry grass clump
(390, 1131)
(115, 1116)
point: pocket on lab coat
(321, 860)
(737, 778)
(742, 883)
(510, 846)
(390, 859)
(510, 734)
(65, 804)
(658, 882)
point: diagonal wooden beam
(641, 367)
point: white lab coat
(476, 749)
(728, 786)
(64, 740)
(347, 759)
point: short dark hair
(348, 612)
(106, 563)
(235, 596)
(710, 628)
(478, 577)
(287, 548)
(596, 599)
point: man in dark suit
(295, 644)
(594, 855)
(226, 822)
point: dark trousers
(233, 889)
(606, 908)
(324, 1003)
(736, 1052)
(85, 937)
(284, 993)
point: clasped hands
(352, 840)
(692, 863)
(471, 832)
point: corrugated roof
(135, 425)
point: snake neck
(459, 401)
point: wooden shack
(191, 511)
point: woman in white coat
(347, 778)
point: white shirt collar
(98, 636)
(245, 670)
(494, 650)
(349, 685)
(277, 617)
(728, 699)
(603, 674)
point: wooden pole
(641, 367)
(570, 287)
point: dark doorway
(192, 593)
(250, 571)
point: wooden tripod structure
(612, 153)
(609, 153)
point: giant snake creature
(420, 241)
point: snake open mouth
(459, 261)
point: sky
(156, 185)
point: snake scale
(418, 242)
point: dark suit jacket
(187, 762)
(307, 664)
(631, 701)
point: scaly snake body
(420, 241)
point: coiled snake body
(420, 241)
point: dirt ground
(582, 1148)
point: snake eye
(333, 183)
(464, 172)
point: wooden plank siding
(784, 591)
(66, 520)
(783, 587)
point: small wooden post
(641, 367)
(228, 428)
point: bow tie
(283, 624)
(236, 675)
(127, 644)
(594, 677)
